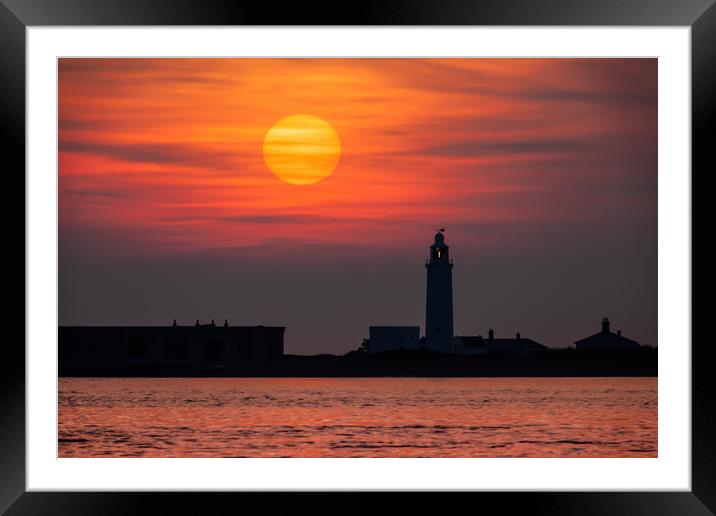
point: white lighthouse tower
(438, 312)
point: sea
(357, 417)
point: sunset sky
(542, 171)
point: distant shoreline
(563, 363)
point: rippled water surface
(366, 417)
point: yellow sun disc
(302, 149)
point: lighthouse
(438, 306)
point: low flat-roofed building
(166, 346)
(516, 346)
(469, 345)
(393, 338)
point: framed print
(444, 248)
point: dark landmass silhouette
(409, 363)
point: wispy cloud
(157, 145)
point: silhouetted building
(467, 345)
(392, 338)
(516, 346)
(606, 340)
(201, 345)
(438, 306)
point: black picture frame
(700, 15)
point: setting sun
(302, 149)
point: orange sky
(171, 148)
(543, 172)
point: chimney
(197, 323)
(605, 325)
(212, 322)
(226, 323)
(174, 324)
(619, 332)
(517, 336)
(491, 334)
